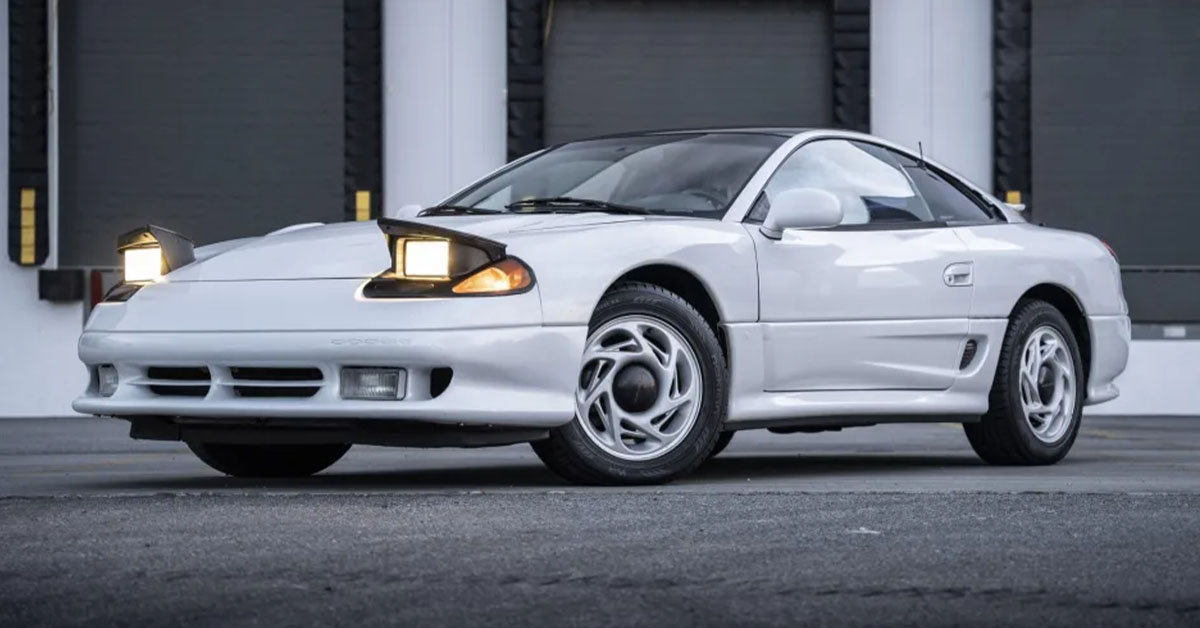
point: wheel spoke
(1028, 384)
(600, 384)
(1047, 349)
(610, 416)
(648, 429)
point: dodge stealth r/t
(624, 304)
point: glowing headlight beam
(425, 258)
(143, 264)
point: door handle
(959, 275)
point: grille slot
(175, 390)
(181, 373)
(274, 382)
(276, 374)
(294, 392)
(178, 381)
(968, 354)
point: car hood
(358, 249)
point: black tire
(722, 443)
(268, 461)
(570, 453)
(1003, 436)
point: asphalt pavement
(889, 525)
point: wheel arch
(1069, 305)
(688, 286)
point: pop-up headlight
(431, 261)
(150, 252)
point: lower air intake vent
(179, 391)
(276, 381)
(276, 391)
(182, 373)
(278, 374)
(439, 380)
(178, 381)
(968, 354)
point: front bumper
(1111, 336)
(516, 376)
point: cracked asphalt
(892, 525)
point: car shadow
(532, 475)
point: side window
(869, 182)
(947, 202)
(758, 212)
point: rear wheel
(651, 396)
(1037, 397)
(268, 461)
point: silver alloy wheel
(1047, 384)
(639, 388)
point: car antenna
(921, 152)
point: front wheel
(268, 461)
(1037, 397)
(651, 395)
(722, 443)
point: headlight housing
(150, 252)
(147, 254)
(429, 261)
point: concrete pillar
(931, 80)
(444, 72)
(39, 371)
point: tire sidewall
(1042, 316)
(703, 434)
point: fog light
(373, 383)
(106, 380)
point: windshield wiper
(447, 210)
(572, 204)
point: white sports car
(625, 304)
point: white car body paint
(825, 326)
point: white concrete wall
(445, 75)
(931, 80)
(39, 372)
(1163, 377)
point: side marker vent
(968, 354)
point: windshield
(694, 174)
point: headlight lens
(143, 264)
(425, 258)
(507, 275)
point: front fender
(575, 267)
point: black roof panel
(781, 131)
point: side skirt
(827, 423)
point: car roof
(778, 131)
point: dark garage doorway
(218, 119)
(623, 65)
(1115, 122)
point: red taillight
(1110, 250)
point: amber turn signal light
(507, 275)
